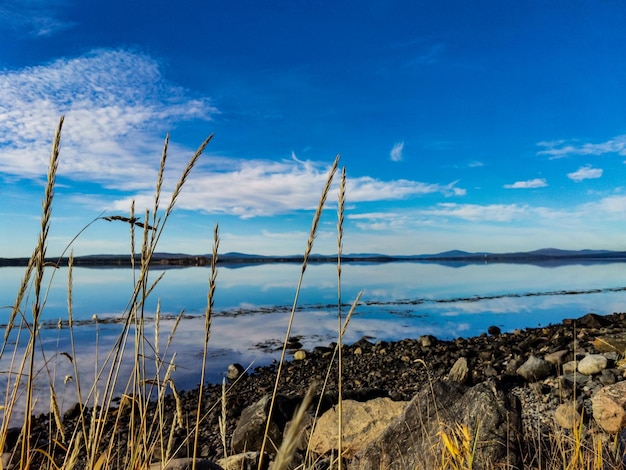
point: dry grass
(150, 433)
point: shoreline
(399, 370)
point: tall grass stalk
(340, 212)
(208, 316)
(38, 305)
(343, 330)
(307, 253)
(151, 235)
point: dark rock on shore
(485, 371)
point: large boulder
(414, 440)
(609, 407)
(362, 422)
(248, 434)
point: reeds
(88, 437)
(93, 441)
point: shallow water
(253, 303)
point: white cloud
(561, 149)
(584, 173)
(252, 188)
(117, 107)
(477, 212)
(534, 183)
(396, 152)
(476, 164)
(611, 205)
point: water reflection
(252, 305)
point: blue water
(253, 303)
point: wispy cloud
(428, 55)
(38, 18)
(562, 149)
(584, 173)
(253, 188)
(477, 212)
(396, 152)
(476, 164)
(117, 107)
(528, 184)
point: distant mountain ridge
(182, 259)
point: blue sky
(481, 126)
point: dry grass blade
(129, 220)
(286, 451)
(40, 259)
(340, 216)
(309, 247)
(207, 334)
(185, 175)
(318, 213)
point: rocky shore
(522, 393)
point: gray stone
(534, 369)
(592, 364)
(248, 434)
(412, 440)
(426, 341)
(460, 371)
(235, 371)
(570, 367)
(607, 377)
(556, 357)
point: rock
(235, 371)
(294, 343)
(592, 364)
(566, 416)
(570, 367)
(243, 461)
(412, 440)
(610, 343)
(494, 330)
(460, 371)
(248, 434)
(362, 422)
(607, 377)
(534, 369)
(299, 355)
(185, 463)
(6, 459)
(426, 341)
(556, 357)
(609, 407)
(592, 320)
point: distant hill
(235, 258)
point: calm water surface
(252, 306)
